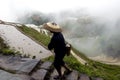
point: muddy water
(18, 41)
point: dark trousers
(58, 61)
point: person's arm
(51, 44)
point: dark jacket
(58, 44)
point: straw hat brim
(54, 28)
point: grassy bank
(5, 50)
(95, 69)
(41, 38)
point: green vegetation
(93, 68)
(2, 44)
(4, 49)
(41, 38)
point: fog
(96, 36)
(91, 34)
(10, 9)
(91, 26)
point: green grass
(2, 44)
(5, 50)
(41, 38)
(94, 69)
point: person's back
(58, 43)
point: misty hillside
(26, 36)
(98, 38)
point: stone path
(8, 76)
(17, 68)
(16, 64)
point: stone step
(25, 59)
(53, 75)
(10, 62)
(41, 73)
(13, 59)
(28, 66)
(17, 64)
(84, 77)
(9, 76)
(46, 65)
(72, 76)
(23, 77)
(5, 75)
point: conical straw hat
(52, 27)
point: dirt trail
(82, 61)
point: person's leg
(57, 66)
(64, 65)
(68, 70)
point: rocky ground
(17, 68)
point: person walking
(58, 44)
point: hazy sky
(9, 8)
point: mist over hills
(90, 34)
